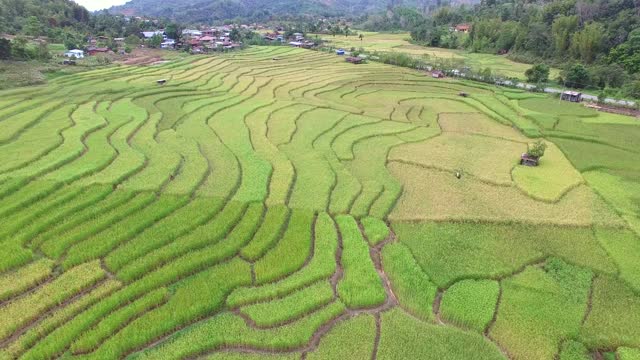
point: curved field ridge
(307, 208)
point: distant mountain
(203, 11)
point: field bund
(277, 203)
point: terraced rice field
(399, 42)
(305, 208)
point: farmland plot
(310, 208)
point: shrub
(537, 149)
(539, 73)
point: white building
(78, 54)
(150, 34)
(192, 33)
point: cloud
(93, 5)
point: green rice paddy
(307, 208)
(399, 42)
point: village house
(463, 28)
(209, 32)
(150, 34)
(437, 74)
(571, 96)
(92, 50)
(168, 44)
(189, 33)
(78, 54)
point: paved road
(584, 96)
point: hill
(205, 11)
(38, 17)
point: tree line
(595, 42)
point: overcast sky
(99, 4)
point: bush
(539, 73)
(537, 149)
(577, 77)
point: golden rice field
(307, 208)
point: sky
(93, 5)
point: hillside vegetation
(282, 203)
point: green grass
(613, 320)
(16, 282)
(349, 339)
(321, 266)
(404, 337)
(249, 203)
(290, 252)
(449, 252)
(90, 340)
(20, 312)
(375, 230)
(540, 307)
(208, 335)
(470, 303)
(624, 249)
(573, 350)
(406, 277)
(58, 318)
(628, 353)
(360, 286)
(299, 303)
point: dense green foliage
(603, 36)
(41, 17)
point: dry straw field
(278, 203)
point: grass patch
(404, 337)
(449, 252)
(470, 303)
(540, 307)
(375, 230)
(20, 280)
(410, 284)
(614, 318)
(350, 339)
(297, 304)
(360, 286)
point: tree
(173, 31)
(72, 41)
(562, 29)
(42, 51)
(19, 48)
(33, 26)
(577, 77)
(587, 43)
(235, 35)
(539, 73)
(632, 89)
(628, 53)
(5, 49)
(155, 41)
(132, 40)
(537, 149)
